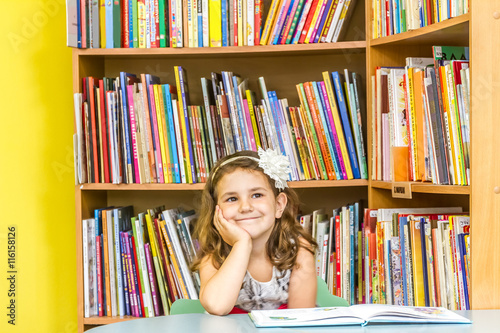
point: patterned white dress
(255, 295)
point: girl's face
(247, 199)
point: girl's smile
(246, 198)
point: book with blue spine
(239, 108)
(233, 117)
(403, 221)
(171, 132)
(273, 102)
(360, 111)
(328, 131)
(109, 24)
(356, 126)
(332, 129)
(352, 247)
(287, 140)
(224, 22)
(339, 91)
(131, 23)
(423, 223)
(184, 98)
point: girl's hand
(230, 232)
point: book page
(392, 313)
(305, 317)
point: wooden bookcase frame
(283, 66)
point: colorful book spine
(152, 280)
(133, 133)
(318, 93)
(308, 122)
(169, 117)
(345, 124)
(333, 131)
(156, 134)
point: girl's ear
(281, 201)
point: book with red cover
(100, 302)
(104, 131)
(94, 128)
(152, 281)
(309, 18)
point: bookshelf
(307, 63)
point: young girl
(253, 252)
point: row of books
(395, 16)
(335, 106)
(137, 265)
(421, 119)
(402, 256)
(133, 129)
(203, 23)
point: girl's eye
(257, 195)
(231, 199)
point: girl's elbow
(216, 307)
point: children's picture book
(363, 314)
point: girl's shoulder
(305, 256)
(304, 244)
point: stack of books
(137, 265)
(204, 23)
(134, 129)
(401, 256)
(395, 16)
(421, 119)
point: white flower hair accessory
(275, 165)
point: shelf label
(401, 190)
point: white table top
(483, 321)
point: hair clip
(276, 166)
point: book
(362, 314)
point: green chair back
(323, 299)
(182, 306)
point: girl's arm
(220, 287)
(303, 280)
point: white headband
(275, 165)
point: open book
(362, 314)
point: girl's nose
(245, 206)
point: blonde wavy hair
(285, 239)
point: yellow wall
(36, 166)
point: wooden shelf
(454, 31)
(230, 51)
(419, 187)
(200, 186)
(106, 320)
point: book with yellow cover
(271, 17)
(215, 26)
(156, 262)
(309, 142)
(161, 135)
(338, 125)
(417, 268)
